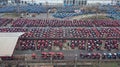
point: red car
(72, 46)
(60, 55)
(44, 55)
(93, 56)
(51, 55)
(33, 56)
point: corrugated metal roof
(7, 43)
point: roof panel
(8, 42)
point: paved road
(69, 54)
(1, 15)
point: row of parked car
(24, 8)
(59, 23)
(60, 55)
(100, 55)
(52, 55)
(35, 8)
(66, 32)
(88, 45)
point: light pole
(18, 7)
(48, 13)
(51, 60)
(26, 60)
(47, 8)
(75, 65)
(99, 60)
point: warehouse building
(61, 2)
(75, 2)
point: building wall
(89, 2)
(68, 2)
(44, 2)
(75, 2)
(99, 1)
(3, 2)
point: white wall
(44, 1)
(99, 1)
(62, 1)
